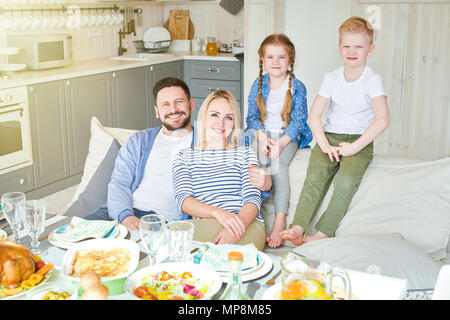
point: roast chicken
(16, 262)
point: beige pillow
(396, 195)
(99, 144)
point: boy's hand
(333, 152)
(347, 149)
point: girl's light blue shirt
(298, 128)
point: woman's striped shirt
(218, 178)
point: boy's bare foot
(316, 236)
(279, 224)
(294, 235)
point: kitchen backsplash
(99, 41)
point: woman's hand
(231, 222)
(224, 237)
(131, 222)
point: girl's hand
(275, 149)
(231, 222)
(347, 149)
(224, 237)
(333, 152)
(266, 145)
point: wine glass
(13, 207)
(33, 222)
(152, 234)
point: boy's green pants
(347, 174)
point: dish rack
(152, 46)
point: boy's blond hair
(356, 24)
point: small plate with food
(173, 281)
(28, 272)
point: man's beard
(181, 126)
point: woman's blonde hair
(356, 24)
(282, 40)
(233, 138)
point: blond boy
(357, 114)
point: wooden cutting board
(180, 25)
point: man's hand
(259, 178)
(131, 222)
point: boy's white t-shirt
(350, 110)
(274, 106)
(155, 191)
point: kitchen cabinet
(85, 97)
(206, 76)
(20, 180)
(130, 97)
(49, 132)
(61, 113)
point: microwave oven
(42, 51)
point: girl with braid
(277, 119)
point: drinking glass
(179, 237)
(33, 222)
(152, 234)
(13, 207)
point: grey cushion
(386, 254)
(95, 193)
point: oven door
(15, 138)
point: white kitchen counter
(89, 67)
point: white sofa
(398, 223)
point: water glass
(179, 237)
(33, 222)
(13, 207)
(152, 234)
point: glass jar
(234, 289)
(211, 46)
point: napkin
(80, 229)
(216, 256)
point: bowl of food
(54, 291)
(173, 281)
(112, 259)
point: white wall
(313, 28)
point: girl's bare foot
(294, 235)
(279, 224)
(316, 236)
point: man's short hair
(170, 82)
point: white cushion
(385, 254)
(99, 144)
(403, 196)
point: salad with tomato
(170, 286)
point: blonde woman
(211, 180)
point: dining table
(364, 285)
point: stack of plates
(264, 265)
(9, 67)
(117, 232)
(157, 38)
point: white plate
(259, 272)
(35, 288)
(205, 275)
(156, 34)
(274, 293)
(123, 231)
(8, 67)
(54, 286)
(230, 247)
(100, 244)
(3, 235)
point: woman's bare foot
(294, 235)
(279, 224)
(316, 236)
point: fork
(271, 281)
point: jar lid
(211, 39)
(235, 256)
